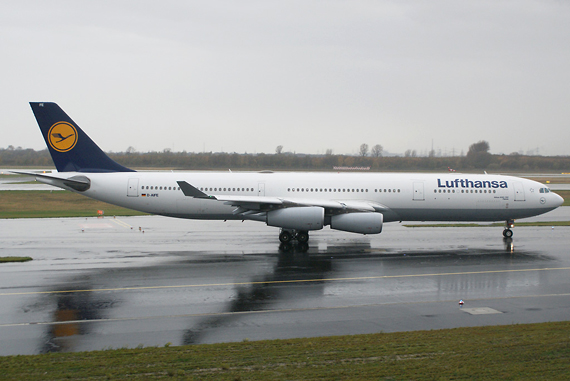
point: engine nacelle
(364, 223)
(298, 218)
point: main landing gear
(287, 236)
(508, 233)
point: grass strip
(38, 204)
(474, 225)
(14, 259)
(515, 352)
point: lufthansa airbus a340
(297, 203)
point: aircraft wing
(255, 204)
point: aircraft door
(418, 191)
(261, 189)
(519, 191)
(133, 188)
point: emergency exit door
(418, 191)
(133, 188)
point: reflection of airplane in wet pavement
(103, 308)
(285, 282)
(293, 281)
(75, 313)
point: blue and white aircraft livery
(297, 203)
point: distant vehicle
(297, 203)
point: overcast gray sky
(246, 76)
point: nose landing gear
(508, 233)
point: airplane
(297, 203)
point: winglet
(191, 191)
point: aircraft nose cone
(559, 200)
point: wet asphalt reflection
(105, 283)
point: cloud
(251, 75)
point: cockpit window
(544, 190)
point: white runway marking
(481, 311)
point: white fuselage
(403, 196)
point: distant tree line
(477, 158)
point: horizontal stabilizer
(78, 183)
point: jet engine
(298, 218)
(364, 223)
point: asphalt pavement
(101, 283)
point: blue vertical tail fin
(70, 148)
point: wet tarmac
(148, 281)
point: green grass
(37, 204)
(515, 352)
(474, 225)
(14, 259)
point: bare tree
(279, 149)
(478, 154)
(363, 150)
(377, 150)
(329, 152)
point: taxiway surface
(130, 281)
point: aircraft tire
(285, 237)
(303, 237)
(507, 233)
